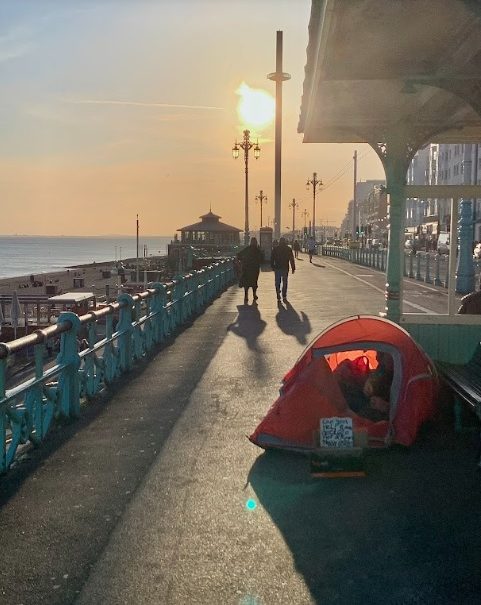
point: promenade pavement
(143, 500)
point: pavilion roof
(375, 64)
(210, 223)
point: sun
(256, 107)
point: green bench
(465, 382)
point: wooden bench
(465, 382)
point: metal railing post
(437, 278)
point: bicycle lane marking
(363, 281)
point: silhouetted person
(250, 259)
(296, 247)
(471, 304)
(281, 258)
(311, 247)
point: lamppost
(305, 214)
(262, 199)
(293, 205)
(315, 182)
(246, 145)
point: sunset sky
(109, 108)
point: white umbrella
(15, 312)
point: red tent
(312, 389)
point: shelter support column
(465, 270)
(396, 152)
(393, 287)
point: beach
(94, 278)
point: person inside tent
(377, 389)
(367, 392)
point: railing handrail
(145, 319)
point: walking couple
(251, 259)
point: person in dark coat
(297, 248)
(281, 258)
(250, 259)
(471, 304)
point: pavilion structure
(210, 233)
(399, 75)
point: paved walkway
(143, 501)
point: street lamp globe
(235, 151)
(257, 151)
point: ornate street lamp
(293, 205)
(305, 214)
(315, 182)
(246, 145)
(262, 199)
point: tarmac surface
(156, 496)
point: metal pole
(314, 205)
(293, 205)
(354, 201)
(246, 200)
(278, 77)
(475, 200)
(261, 198)
(293, 218)
(137, 266)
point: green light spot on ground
(251, 504)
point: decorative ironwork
(116, 337)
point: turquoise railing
(112, 339)
(422, 266)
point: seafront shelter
(400, 75)
(210, 232)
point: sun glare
(256, 107)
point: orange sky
(99, 124)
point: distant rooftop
(210, 223)
(72, 297)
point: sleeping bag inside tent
(363, 367)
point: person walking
(296, 247)
(250, 259)
(311, 247)
(281, 258)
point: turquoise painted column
(411, 265)
(437, 275)
(418, 266)
(465, 268)
(393, 268)
(125, 329)
(69, 359)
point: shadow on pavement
(406, 533)
(248, 325)
(319, 265)
(293, 324)
(89, 470)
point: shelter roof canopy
(373, 65)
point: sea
(26, 255)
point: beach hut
(315, 387)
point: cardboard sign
(336, 432)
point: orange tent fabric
(311, 392)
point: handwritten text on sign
(336, 432)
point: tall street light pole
(293, 205)
(137, 256)
(262, 199)
(246, 145)
(278, 77)
(315, 182)
(305, 214)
